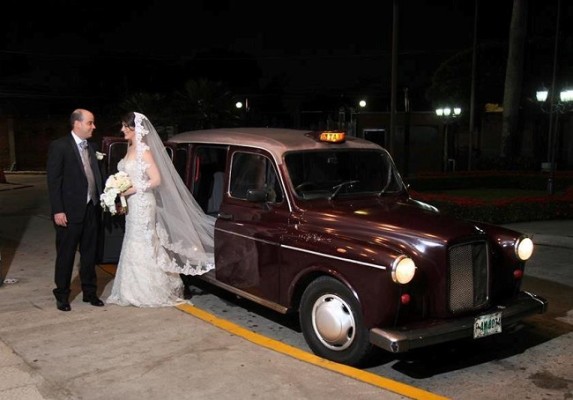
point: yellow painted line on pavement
(358, 374)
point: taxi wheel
(332, 323)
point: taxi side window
(208, 177)
(254, 171)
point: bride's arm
(152, 170)
(152, 173)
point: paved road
(126, 353)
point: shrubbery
(501, 211)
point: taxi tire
(329, 296)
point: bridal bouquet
(114, 185)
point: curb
(42, 172)
(12, 186)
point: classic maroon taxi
(321, 224)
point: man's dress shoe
(94, 301)
(63, 306)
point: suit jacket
(67, 181)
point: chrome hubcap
(333, 322)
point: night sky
(64, 49)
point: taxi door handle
(225, 216)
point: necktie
(88, 169)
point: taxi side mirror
(257, 195)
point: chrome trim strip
(248, 237)
(273, 306)
(377, 266)
(535, 297)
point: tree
(513, 79)
(202, 104)
(205, 104)
(451, 81)
(153, 105)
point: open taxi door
(112, 227)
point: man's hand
(60, 219)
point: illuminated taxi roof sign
(332, 136)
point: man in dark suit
(74, 186)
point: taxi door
(250, 224)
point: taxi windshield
(333, 173)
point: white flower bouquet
(114, 186)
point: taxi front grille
(468, 277)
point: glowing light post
(447, 114)
(557, 106)
(353, 113)
(243, 109)
(239, 104)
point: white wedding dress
(140, 281)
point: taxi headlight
(524, 248)
(403, 269)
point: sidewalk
(554, 233)
(19, 180)
(19, 381)
(126, 353)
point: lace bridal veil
(183, 230)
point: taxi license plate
(486, 325)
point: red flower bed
(502, 211)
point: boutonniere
(99, 155)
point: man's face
(85, 128)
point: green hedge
(464, 180)
(515, 211)
(502, 211)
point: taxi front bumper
(399, 340)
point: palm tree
(205, 104)
(202, 104)
(153, 105)
(513, 80)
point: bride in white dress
(166, 232)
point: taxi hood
(406, 220)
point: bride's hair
(128, 119)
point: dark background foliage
(515, 202)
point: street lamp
(353, 114)
(447, 114)
(557, 105)
(541, 95)
(239, 104)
